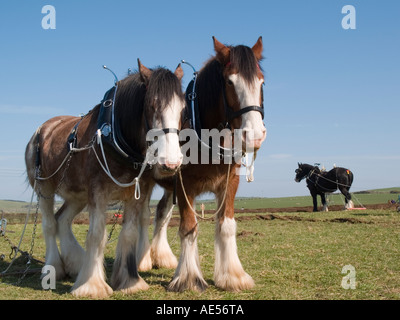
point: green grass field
(289, 255)
(298, 255)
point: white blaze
(169, 150)
(250, 95)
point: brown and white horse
(147, 99)
(229, 93)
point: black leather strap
(230, 114)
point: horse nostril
(169, 167)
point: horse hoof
(179, 285)
(164, 259)
(59, 270)
(92, 289)
(134, 286)
(235, 283)
(146, 263)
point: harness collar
(111, 131)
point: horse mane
(210, 80)
(309, 167)
(133, 96)
(163, 85)
(129, 103)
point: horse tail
(351, 177)
(33, 156)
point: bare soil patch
(240, 215)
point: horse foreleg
(161, 253)
(143, 249)
(324, 204)
(71, 251)
(188, 275)
(91, 278)
(315, 202)
(228, 271)
(49, 227)
(133, 245)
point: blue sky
(331, 96)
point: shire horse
(229, 95)
(147, 99)
(321, 182)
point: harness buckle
(106, 129)
(108, 103)
(192, 96)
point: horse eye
(229, 82)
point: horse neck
(311, 173)
(310, 169)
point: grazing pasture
(290, 255)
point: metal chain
(12, 245)
(30, 253)
(34, 229)
(116, 216)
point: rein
(148, 159)
(222, 202)
(318, 175)
(336, 182)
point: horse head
(243, 92)
(301, 172)
(304, 170)
(163, 107)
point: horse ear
(145, 73)
(258, 48)
(222, 51)
(179, 72)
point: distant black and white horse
(321, 182)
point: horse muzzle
(251, 141)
